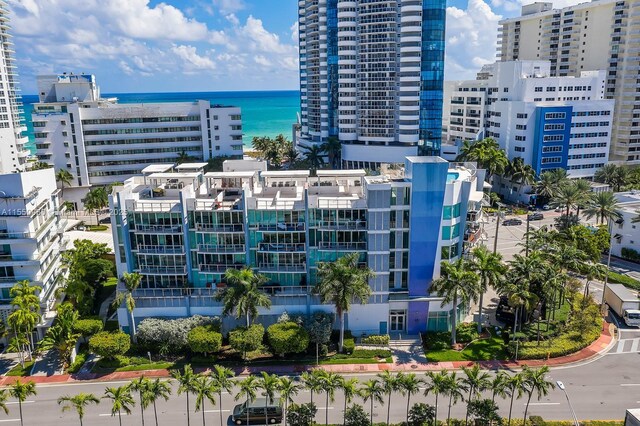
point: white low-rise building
(625, 232)
(100, 141)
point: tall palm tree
(131, 282)
(487, 153)
(519, 172)
(204, 390)
(4, 395)
(546, 186)
(349, 390)
(158, 390)
(500, 385)
(243, 296)
(269, 384)
(409, 384)
(454, 390)
(333, 148)
(313, 381)
(523, 273)
(78, 402)
(489, 267)
(342, 283)
(121, 400)
(330, 383)
(287, 389)
(515, 384)
(222, 378)
(456, 284)
(436, 385)
(96, 200)
(372, 390)
(141, 385)
(603, 205)
(25, 315)
(476, 381)
(613, 175)
(183, 157)
(185, 381)
(314, 156)
(248, 389)
(535, 381)
(21, 391)
(391, 384)
(567, 197)
(584, 190)
(65, 178)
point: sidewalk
(600, 346)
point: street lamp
(573, 413)
(606, 276)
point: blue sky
(204, 45)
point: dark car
(536, 216)
(256, 412)
(512, 222)
(504, 312)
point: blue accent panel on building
(551, 138)
(417, 316)
(432, 76)
(185, 235)
(332, 65)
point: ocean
(263, 113)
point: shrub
(246, 339)
(483, 411)
(371, 353)
(437, 341)
(204, 340)
(335, 335)
(630, 254)
(376, 339)
(301, 415)
(421, 414)
(536, 421)
(287, 338)
(356, 416)
(109, 345)
(165, 336)
(319, 328)
(88, 327)
(466, 332)
(348, 345)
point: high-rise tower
(371, 75)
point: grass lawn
(104, 292)
(19, 371)
(489, 349)
(626, 280)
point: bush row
(376, 339)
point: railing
(14, 257)
(219, 267)
(14, 235)
(170, 270)
(280, 267)
(225, 248)
(281, 247)
(346, 225)
(13, 279)
(158, 249)
(341, 246)
(283, 226)
(159, 228)
(205, 227)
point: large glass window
(451, 212)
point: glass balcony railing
(159, 229)
(327, 245)
(279, 247)
(159, 249)
(223, 248)
(280, 267)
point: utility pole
(495, 241)
(573, 413)
(606, 276)
(526, 247)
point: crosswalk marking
(626, 346)
(634, 345)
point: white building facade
(550, 122)
(625, 233)
(13, 154)
(31, 238)
(100, 141)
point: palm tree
(454, 389)
(372, 390)
(25, 316)
(329, 384)
(390, 384)
(535, 381)
(185, 381)
(409, 384)
(314, 156)
(96, 200)
(603, 205)
(313, 381)
(584, 190)
(519, 172)
(476, 381)
(78, 402)
(333, 148)
(141, 385)
(349, 390)
(131, 282)
(515, 384)
(249, 390)
(456, 284)
(61, 336)
(500, 385)
(183, 157)
(121, 400)
(487, 153)
(204, 390)
(21, 391)
(157, 389)
(342, 283)
(65, 178)
(489, 267)
(567, 197)
(269, 384)
(243, 296)
(613, 175)
(222, 378)
(437, 385)
(546, 186)
(287, 389)
(4, 395)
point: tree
(96, 200)
(613, 175)
(523, 273)
(78, 402)
(204, 340)
(131, 283)
(249, 389)
(349, 390)
(4, 395)
(487, 153)
(65, 178)
(421, 414)
(547, 185)
(490, 269)
(500, 385)
(603, 205)
(333, 148)
(484, 412)
(141, 385)
(516, 387)
(456, 284)
(302, 415)
(185, 381)
(287, 389)
(390, 384)
(584, 190)
(25, 316)
(183, 157)
(319, 329)
(568, 196)
(88, 327)
(40, 165)
(110, 345)
(342, 283)
(313, 381)
(535, 381)
(314, 156)
(287, 338)
(409, 384)
(372, 390)
(243, 296)
(438, 385)
(519, 172)
(157, 389)
(222, 380)
(204, 390)
(329, 384)
(454, 389)
(21, 391)
(476, 381)
(269, 384)
(61, 336)
(246, 339)
(121, 400)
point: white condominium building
(597, 35)
(551, 122)
(101, 141)
(371, 74)
(30, 238)
(13, 154)
(625, 233)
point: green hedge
(376, 339)
(623, 279)
(630, 254)
(88, 327)
(204, 340)
(287, 338)
(110, 345)
(244, 339)
(348, 345)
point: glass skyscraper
(371, 75)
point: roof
(328, 173)
(191, 166)
(174, 175)
(221, 175)
(157, 168)
(286, 173)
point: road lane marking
(16, 402)
(620, 347)
(543, 403)
(634, 345)
(9, 420)
(629, 384)
(216, 411)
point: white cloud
(295, 32)
(262, 39)
(229, 6)
(192, 60)
(233, 19)
(262, 60)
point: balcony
(283, 227)
(282, 267)
(221, 248)
(159, 229)
(280, 247)
(6, 235)
(219, 268)
(324, 245)
(162, 270)
(473, 235)
(152, 249)
(208, 227)
(343, 225)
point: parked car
(257, 412)
(512, 222)
(546, 207)
(536, 216)
(504, 312)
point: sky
(205, 45)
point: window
(548, 127)
(538, 89)
(519, 149)
(552, 149)
(551, 160)
(554, 115)
(450, 212)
